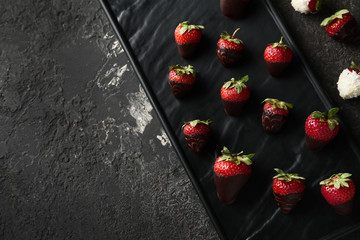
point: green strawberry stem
(280, 44)
(235, 157)
(193, 123)
(237, 84)
(288, 177)
(278, 104)
(236, 30)
(338, 180)
(353, 66)
(323, 117)
(180, 70)
(336, 15)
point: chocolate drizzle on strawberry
(187, 50)
(287, 202)
(179, 90)
(197, 142)
(228, 57)
(349, 33)
(272, 122)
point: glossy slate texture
(149, 27)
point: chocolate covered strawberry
(234, 95)
(197, 134)
(277, 57)
(320, 129)
(306, 6)
(342, 27)
(339, 191)
(233, 9)
(288, 189)
(229, 49)
(187, 37)
(349, 82)
(231, 172)
(274, 114)
(181, 79)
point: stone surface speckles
(79, 158)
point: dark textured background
(82, 154)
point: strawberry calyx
(354, 67)
(237, 84)
(226, 36)
(318, 5)
(288, 177)
(193, 123)
(338, 14)
(327, 117)
(337, 180)
(279, 44)
(278, 104)
(235, 157)
(186, 27)
(180, 70)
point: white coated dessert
(301, 5)
(349, 84)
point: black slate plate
(145, 29)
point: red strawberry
(274, 114)
(314, 5)
(277, 57)
(188, 37)
(229, 49)
(181, 79)
(288, 189)
(197, 134)
(231, 172)
(320, 128)
(342, 27)
(339, 191)
(234, 95)
(233, 9)
(354, 68)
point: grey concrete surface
(82, 154)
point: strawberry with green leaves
(181, 79)
(321, 128)
(342, 27)
(231, 172)
(307, 6)
(274, 114)
(339, 191)
(197, 134)
(288, 189)
(277, 57)
(234, 95)
(229, 49)
(187, 37)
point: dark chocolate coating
(233, 108)
(228, 188)
(228, 57)
(271, 122)
(197, 142)
(313, 144)
(275, 68)
(288, 202)
(233, 9)
(344, 208)
(349, 33)
(179, 90)
(187, 50)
